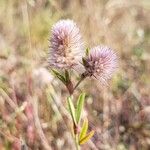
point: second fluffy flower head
(101, 62)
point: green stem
(77, 142)
(82, 78)
(71, 90)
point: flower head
(101, 63)
(66, 47)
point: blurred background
(33, 111)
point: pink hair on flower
(101, 63)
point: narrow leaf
(87, 137)
(80, 104)
(71, 109)
(84, 61)
(59, 76)
(67, 76)
(87, 51)
(84, 129)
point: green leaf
(67, 76)
(84, 61)
(59, 76)
(87, 51)
(80, 104)
(71, 109)
(84, 129)
(87, 137)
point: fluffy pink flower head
(100, 63)
(66, 46)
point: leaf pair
(76, 117)
(84, 137)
